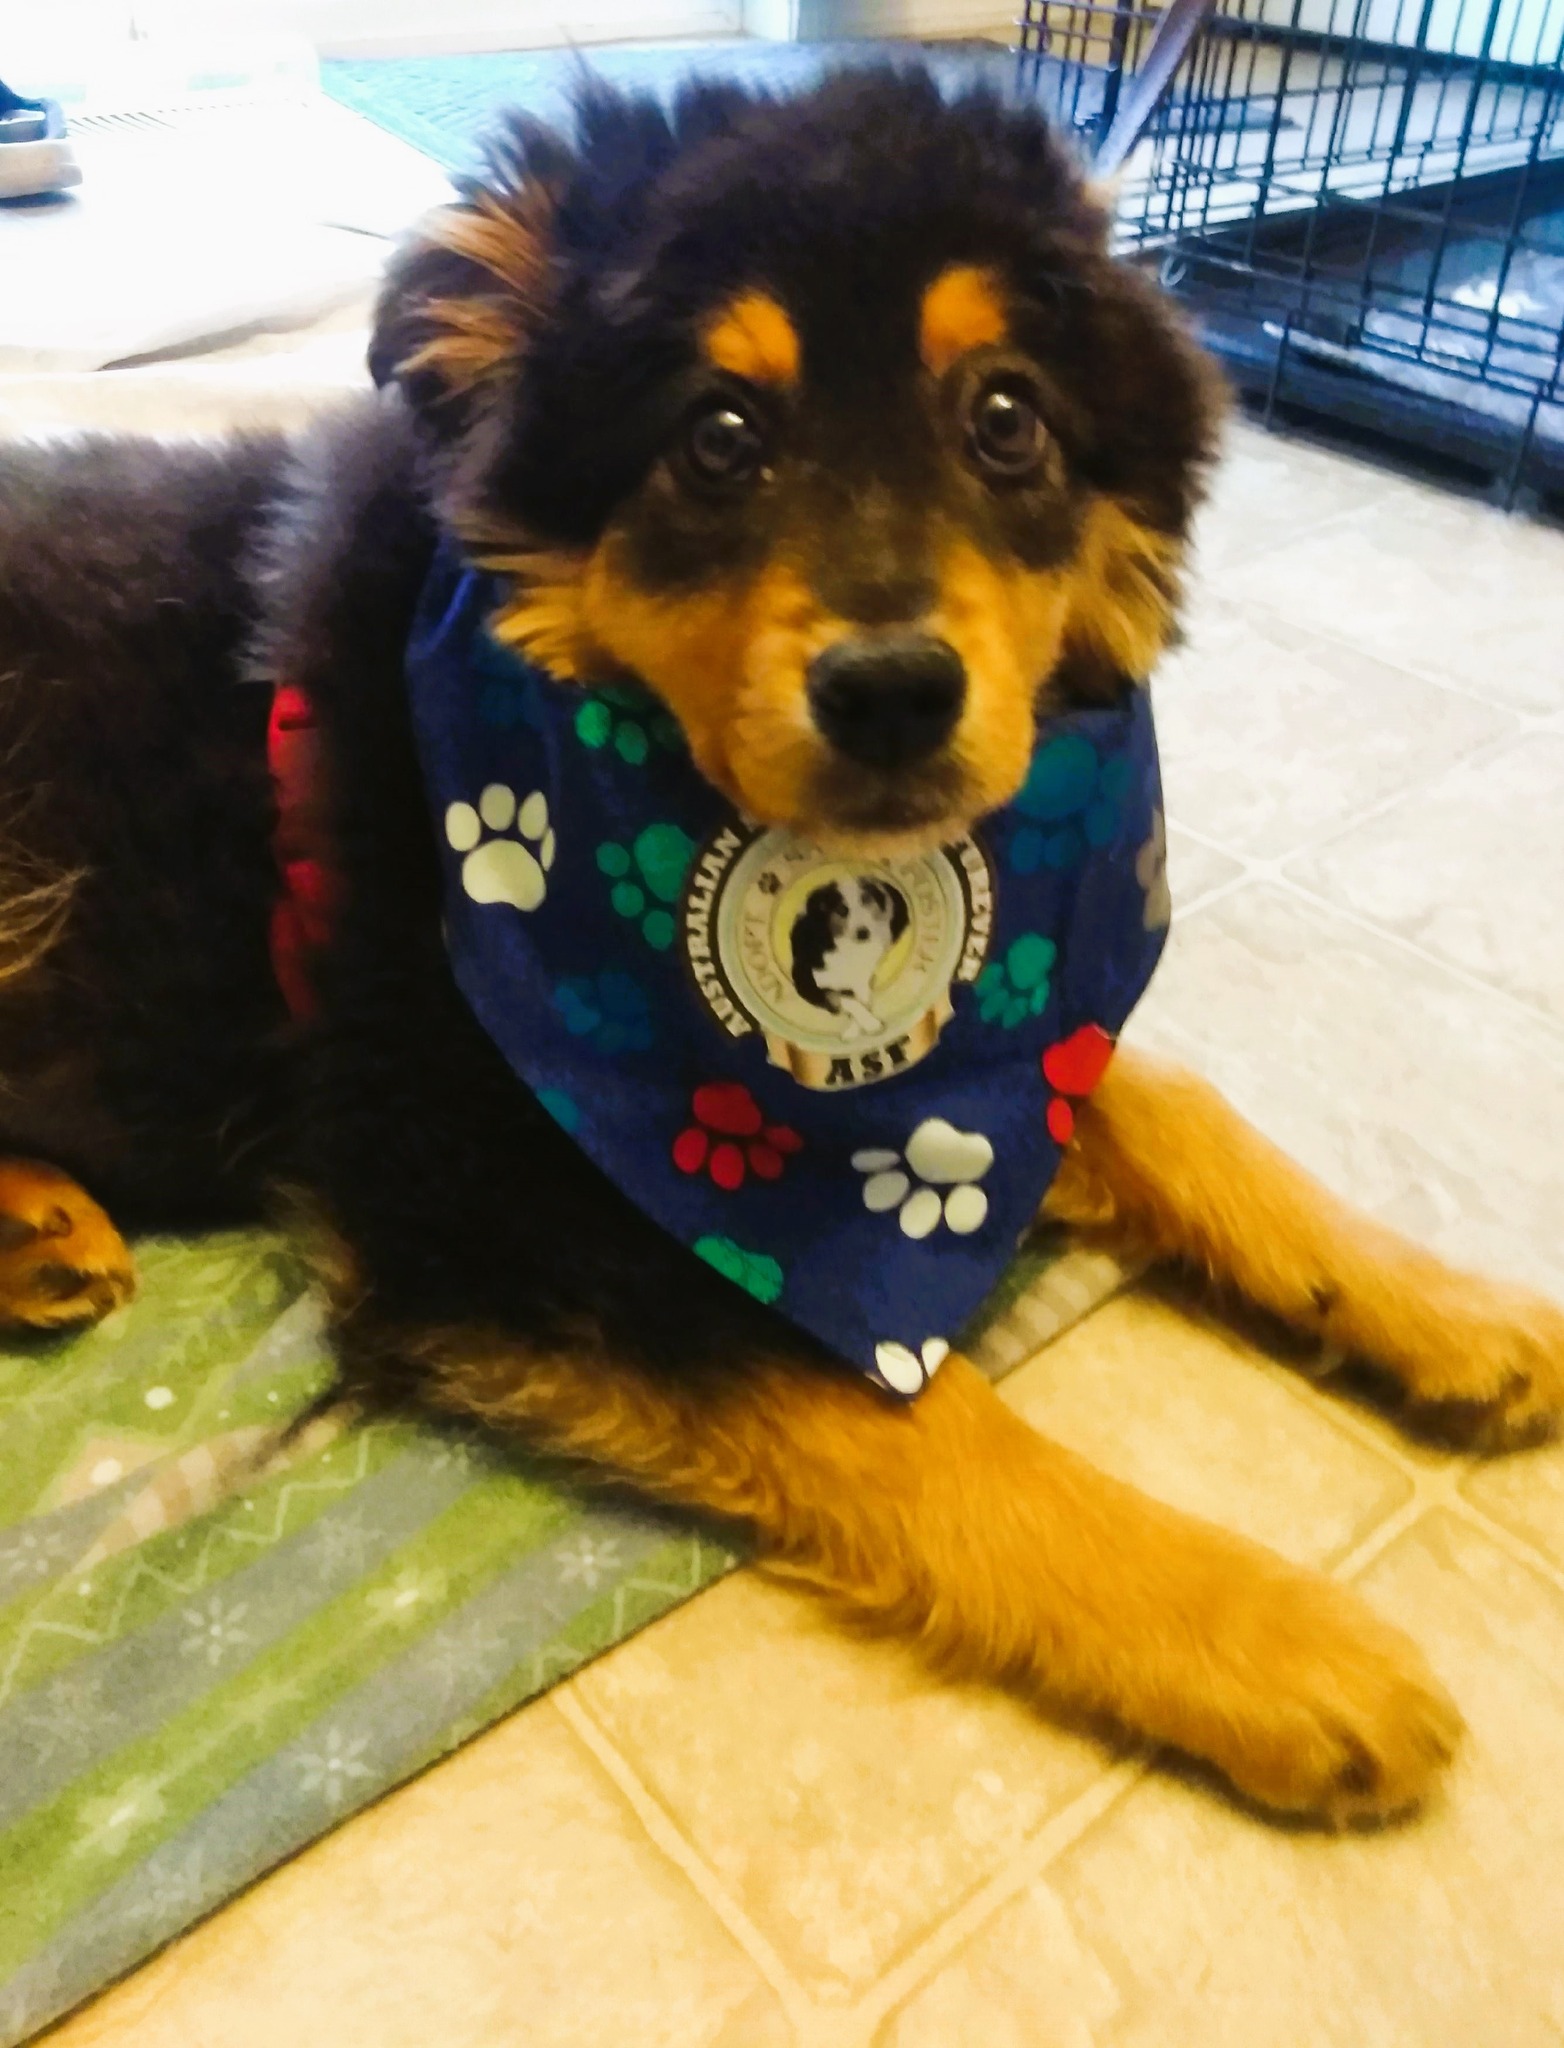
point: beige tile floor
(743, 1830)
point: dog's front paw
(1322, 1709)
(62, 1262)
(1488, 1371)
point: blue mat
(444, 105)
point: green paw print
(630, 721)
(652, 866)
(755, 1272)
(1010, 991)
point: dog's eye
(724, 445)
(1004, 432)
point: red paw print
(1074, 1066)
(730, 1137)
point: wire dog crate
(1363, 200)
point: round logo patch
(845, 967)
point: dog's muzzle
(887, 702)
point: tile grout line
(1475, 756)
(1218, 890)
(1379, 1539)
(1524, 715)
(1434, 1485)
(1218, 893)
(1200, 898)
(1442, 1489)
(1453, 684)
(1519, 1548)
(666, 1834)
(1469, 981)
(1310, 1390)
(1315, 1395)
(1204, 839)
(1273, 872)
(990, 1898)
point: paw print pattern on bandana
(907, 1371)
(1011, 990)
(756, 1272)
(730, 1138)
(646, 879)
(629, 721)
(1071, 799)
(563, 1108)
(941, 1157)
(1151, 871)
(611, 1011)
(868, 1188)
(1074, 1066)
(503, 869)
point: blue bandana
(844, 1084)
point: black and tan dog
(715, 394)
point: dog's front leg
(864, 1020)
(951, 1523)
(1160, 1164)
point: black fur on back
(145, 1051)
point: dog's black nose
(887, 702)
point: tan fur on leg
(1162, 1165)
(62, 1262)
(950, 1522)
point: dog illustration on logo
(839, 938)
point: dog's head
(877, 911)
(829, 418)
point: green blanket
(210, 1651)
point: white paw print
(907, 1370)
(503, 870)
(941, 1157)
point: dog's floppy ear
(461, 298)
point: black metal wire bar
(1380, 212)
(1169, 47)
(1414, 73)
(1273, 131)
(1118, 44)
(1513, 226)
(1436, 260)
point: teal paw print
(563, 1108)
(756, 1272)
(1072, 799)
(1015, 988)
(647, 876)
(630, 721)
